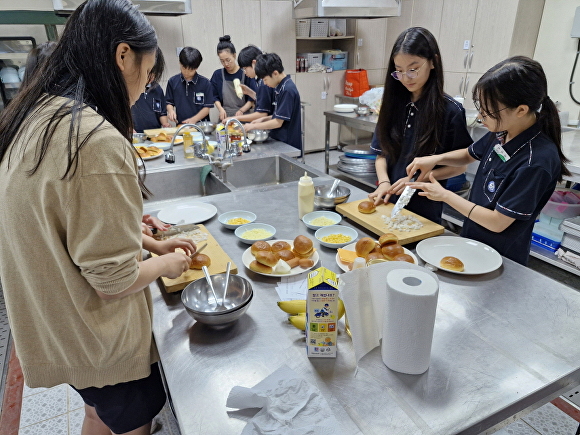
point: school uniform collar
(193, 81)
(522, 139)
(281, 85)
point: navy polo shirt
(518, 188)
(287, 108)
(217, 83)
(148, 109)
(264, 98)
(455, 136)
(189, 97)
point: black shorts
(129, 405)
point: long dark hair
(517, 81)
(429, 128)
(36, 56)
(83, 70)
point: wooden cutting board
(219, 261)
(374, 222)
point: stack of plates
(357, 159)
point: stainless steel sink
(182, 182)
(264, 172)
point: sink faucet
(170, 156)
(231, 149)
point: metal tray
(358, 149)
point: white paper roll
(409, 320)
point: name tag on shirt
(199, 98)
(156, 105)
(501, 153)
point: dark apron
(230, 101)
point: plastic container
(318, 28)
(547, 236)
(311, 58)
(337, 27)
(305, 195)
(335, 59)
(188, 149)
(303, 28)
(561, 206)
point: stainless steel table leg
(327, 146)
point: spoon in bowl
(227, 280)
(208, 279)
(333, 188)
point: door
(457, 27)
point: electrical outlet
(178, 50)
(360, 42)
(466, 44)
(324, 95)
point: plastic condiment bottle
(188, 149)
(305, 195)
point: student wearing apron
(225, 98)
(416, 118)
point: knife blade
(405, 196)
(198, 250)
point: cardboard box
(321, 313)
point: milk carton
(321, 313)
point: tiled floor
(60, 411)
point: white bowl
(225, 217)
(309, 217)
(254, 226)
(336, 229)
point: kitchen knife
(198, 250)
(405, 196)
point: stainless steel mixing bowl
(258, 135)
(322, 199)
(206, 126)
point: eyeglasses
(226, 61)
(484, 114)
(411, 73)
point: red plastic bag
(356, 82)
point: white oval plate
(192, 213)
(247, 258)
(345, 107)
(477, 257)
(344, 266)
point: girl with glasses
(521, 159)
(226, 99)
(416, 119)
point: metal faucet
(230, 151)
(170, 156)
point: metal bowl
(363, 110)
(198, 300)
(321, 198)
(206, 126)
(258, 135)
(139, 138)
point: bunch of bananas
(297, 308)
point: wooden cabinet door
(456, 27)
(427, 14)
(372, 54)
(310, 87)
(454, 83)
(492, 34)
(471, 80)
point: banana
(298, 322)
(293, 307)
(341, 309)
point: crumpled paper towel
(290, 406)
(568, 257)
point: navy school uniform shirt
(455, 136)
(189, 97)
(287, 102)
(264, 98)
(518, 188)
(217, 83)
(148, 109)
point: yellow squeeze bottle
(188, 149)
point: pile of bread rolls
(386, 248)
(281, 257)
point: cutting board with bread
(375, 223)
(219, 261)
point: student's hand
(432, 190)
(248, 91)
(172, 115)
(381, 194)
(425, 164)
(239, 113)
(223, 114)
(166, 125)
(155, 222)
(176, 263)
(146, 230)
(170, 245)
(399, 185)
(262, 119)
(189, 121)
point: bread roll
(286, 255)
(392, 250)
(404, 257)
(367, 207)
(307, 254)
(293, 262)
(364, 246)
(267, 258)
(387, 239)
(260, 245)
(305, 263)
(302, 244)
(377, 248)
(452, 263)
(280, 245)
(375, 256)
(259, 267)
(200, 260)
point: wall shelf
(324, 38)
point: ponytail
(549, 122)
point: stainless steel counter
(504, 342)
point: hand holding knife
(405, 196)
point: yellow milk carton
(321, 313)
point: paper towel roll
(409, 320)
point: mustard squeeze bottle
(305, 195)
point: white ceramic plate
(477, 257)
(335, 229)
(309, 217)
(254, 226)
(225, 217)
(192, 213)
(344, 266)
(161, 145)
(344, 108)
(247, 258)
